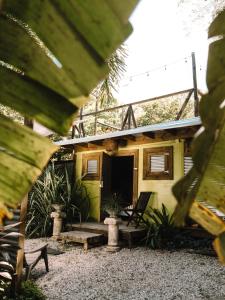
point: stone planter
(113, 233)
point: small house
(149, 158)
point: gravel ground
(139, 273)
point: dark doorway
(122, 178)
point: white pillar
(113, 234)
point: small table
(82, 237)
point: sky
(159, 51)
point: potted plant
(112, 205)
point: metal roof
(135, 131)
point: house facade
(150, 158)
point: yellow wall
(161, 188)
(93, 187)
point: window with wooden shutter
(91, 166)
(158, 163)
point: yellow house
(150, 158)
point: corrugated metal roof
(135, 131)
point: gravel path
(130, 274)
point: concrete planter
(113, 233)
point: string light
(163, 67)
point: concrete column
(113, 234)
(57, 216)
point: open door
(106, 180)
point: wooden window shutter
(158, 163)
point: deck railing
(139, 113)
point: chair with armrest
(136, 214)
(31, 258)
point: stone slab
(81, 237)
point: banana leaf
(52, 54)
(206, 180)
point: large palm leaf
(206, 180)
(52, 54)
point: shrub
(28, 291)
(7, 254)
(161, 228)
(163, 234)
(54, 188)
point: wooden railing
(123, 116)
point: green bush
(160, 228)
(162, 233)
(55, 188)
(28, 291)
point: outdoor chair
(136, 214)
(31, 258)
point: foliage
(160, 228)
(8, 248)
(205, 181)
(112, 204)
(50, 85)
(12, 114)
(163, 234)
(117, 67)
(28, 291)
(159, 111)
(54, 188)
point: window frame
(85, 159)
(147, 153)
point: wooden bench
(82, 237)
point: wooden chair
(136, 214)
(31, 260)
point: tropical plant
(28, 291)
(160, 228)
(112, 204)
(47, 77)
(157, 112)
(206, 180)
(117, 67)
(55, 188)
(8, 251)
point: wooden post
(23, 213)
(196, 103)
(20, 253)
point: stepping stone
(82, 237)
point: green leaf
(23, 155)
(22, 49)
(36, 101)
(52, 54)
(53, 27)
(95, 27)
(16, 138)
(217, 26)
(206, 180)
(122, 9)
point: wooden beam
(184, 105)
(196, 107)
(96, 143)
(130, 137)
(109, 126)
(150, 135)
